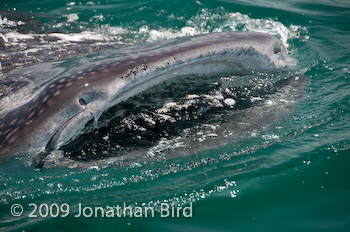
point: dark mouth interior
(136, 124)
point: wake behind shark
(61, 108)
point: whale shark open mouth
(185, 116)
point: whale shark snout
(62, 107)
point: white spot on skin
(45, 98)
(41, 111)
(62, 80)
(31, 114)
(52, 86)
(86, 85)
(11, 140)
(56, 93)
(29, 122)
(81, 77)
(69, 84)
(27, 109)
(8, 131)
(13, 122)
(15, 130)
(10, 134)
(20, 121)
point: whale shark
(59, 110)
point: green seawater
(292, 176)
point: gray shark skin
(61, 108)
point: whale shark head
(215, 54)
(64, 106)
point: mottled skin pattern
(19, 127)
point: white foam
(111, 31)
(9, 23)
(79, 37)
(15, 36)
(235, 21)
(230, 102)
(97, 18)
(72, 17)
(218, 21)
(206, 21)
(161, 34)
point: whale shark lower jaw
(61, 108)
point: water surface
(276, 160)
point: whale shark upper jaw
(60, 110)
